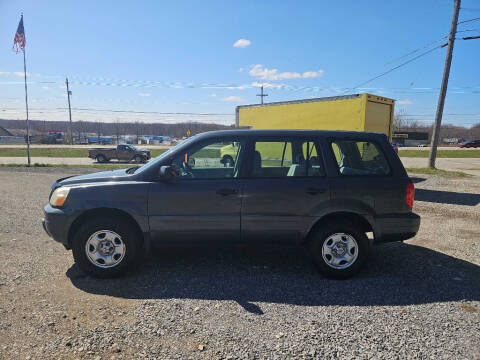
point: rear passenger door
(284, 189)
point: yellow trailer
(358, 112)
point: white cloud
(144, 94)
(212, 95)
(20, 73)
(45, 87)
(267, 85)
(4, 73)
(264, 73)
(240, 70)
(235, 87)
(242, 43)
(405, 102)
(234, 99)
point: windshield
(164, 155)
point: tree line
(116, 128)
(403, 122)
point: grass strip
(93, 166)
(430, 171)
(456, 154)
(57, 152)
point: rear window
(360, 158)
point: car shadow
(120, 162)
(417, 180)
(397, 274)
(447, 197)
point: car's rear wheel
(339, 250)
(101, 158)
(139, 159)
(105, 247)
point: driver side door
(124, 153)
(203, 202)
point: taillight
(410, 194)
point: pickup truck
(125, 152)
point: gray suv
(335, 192)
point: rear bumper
(397, 227)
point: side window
(276, 159)
(214, 160)
(122, 148)
(360, 158)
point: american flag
(19, 40)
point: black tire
(350, 230)
(139, 159)
(101, 159)
(128, 234)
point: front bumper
(56, 223)
(398, 227)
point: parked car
(323, 189)
(126, 152)
(470, 144)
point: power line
(396, 67)
(469, 20)
(149, 112)
(416, 50)
(128, 111)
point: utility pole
(443, 88)
(69, 111)
(262, 95)
(98, 131)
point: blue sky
(179, 56)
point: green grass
(83, 153)
(93, 166)
(426, 170)
(441, 153)
(429, 171)
(57, 152)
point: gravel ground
(418, 299)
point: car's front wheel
(105, 247)
(339, 250)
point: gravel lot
(418, 299)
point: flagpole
(26, 104)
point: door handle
(227, 191)
(315, 191)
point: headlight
(59, 196)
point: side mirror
(167, 173)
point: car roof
(285, 132)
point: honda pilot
(338, 193)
